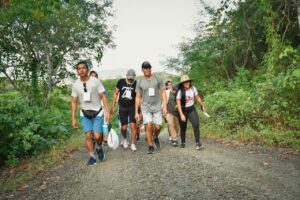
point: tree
(40, 38)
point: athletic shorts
(92, 125)
(152, 117)
(127, 115)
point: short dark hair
(82, 62)
(167, 82)
(91, 72)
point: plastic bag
(113, 139)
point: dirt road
(219, 171)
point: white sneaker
(125, 144)
(133, 147)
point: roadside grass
(268, 136)
(15, 177)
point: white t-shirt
(189, 96)
(95, 87)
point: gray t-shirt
(95, 87)
(151, 102)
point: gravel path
(219, 171)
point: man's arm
(164, 101)
(73, 111)
(138, 98)
(106, 107)
(114, 100)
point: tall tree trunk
(34, 82)
(50, 81)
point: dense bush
(27, 129)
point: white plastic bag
(113, 139)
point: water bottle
(105, 128)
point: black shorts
(127, 115)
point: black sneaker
(174, 143)
(199, 146)
(182, 145)
(91, 161)
(157, 143)
(151, 150)
(101, 154)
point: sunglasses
(84, 87)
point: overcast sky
(148, 30)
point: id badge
(151, 92)
(128, 94)
(87, 96)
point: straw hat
(185, 78)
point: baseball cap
(130, 74)
(146, 64)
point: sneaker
(91, 161)
(170, 140)
(174, 143)
(151, 150)
(199, 146)
(157, 143)
(182, 146)
(101, 154)
(125, 144)
(133, 147)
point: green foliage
(26, 129)
(246, 63)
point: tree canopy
(39, 38)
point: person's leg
(157, 120)
(98, 130)
(124, 125)
(148, 122)
(88, 129)
(171, 125)
(149, 130)
(183, 126)
(176, 125)
(194, 118)
(133, 126)
(89, 142)
(124, 130)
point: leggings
(191, 114)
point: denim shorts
(92, 125)
(152, 117)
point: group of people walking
(147, 100)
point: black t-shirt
(126, 100)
